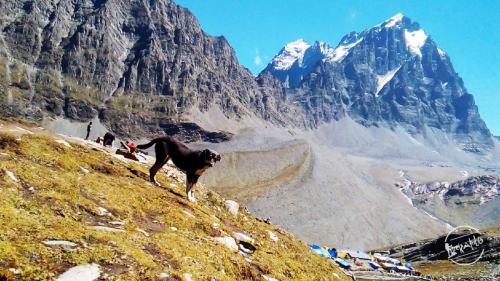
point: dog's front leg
(189, 188)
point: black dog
(192, 162)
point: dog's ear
(206, 153)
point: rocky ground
(69, 206)
(431, 258)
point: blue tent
(314, 246)
(321, 252)
(342, 263)
(333, 253)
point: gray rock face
(472, 201)
(139, 64)
(473, 190)
(390, 74)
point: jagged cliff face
(146, 62)
(142, 65)
(390, 74)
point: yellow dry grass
(58, 195)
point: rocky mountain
(143, 66)
(296, 60)
(391, 74)
(472, 201)
(139, 65)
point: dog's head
(211, 157)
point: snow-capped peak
(289, 54)
(393, 20)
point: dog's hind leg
(162, 157)
(154, 170)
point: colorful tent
(343, 263)
(388, 266)
(374, 265)
(402, 268)
(333, 253)
(320, 251)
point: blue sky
(469, 31)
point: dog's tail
(149, 144)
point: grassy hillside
(50, 190)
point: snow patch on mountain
(342, 51)
(441, 52)
(383, 79)
(290, 53)
(326, 50)
(415, 40)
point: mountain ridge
(142, 67)
(392, 73)
(147, 62)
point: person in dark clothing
(89, 127)
(109, 138)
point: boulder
(227, 241)
(232, 206)
(273, 236)
(85, 272)
(61, 243)
(243, 237)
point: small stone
(144, 232)
(86, 272)
(103, 212)
(173, 228)
(273, 236)
(107, 229)
(232, 206)
(5, 157)
(188, 277)
(11, 175)
(31, 189)
(164, 275)
(63, 142)
(268, 278)
(61, 243)
(15, 271)
(85, 171)
(243, 237)
(227, 241)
